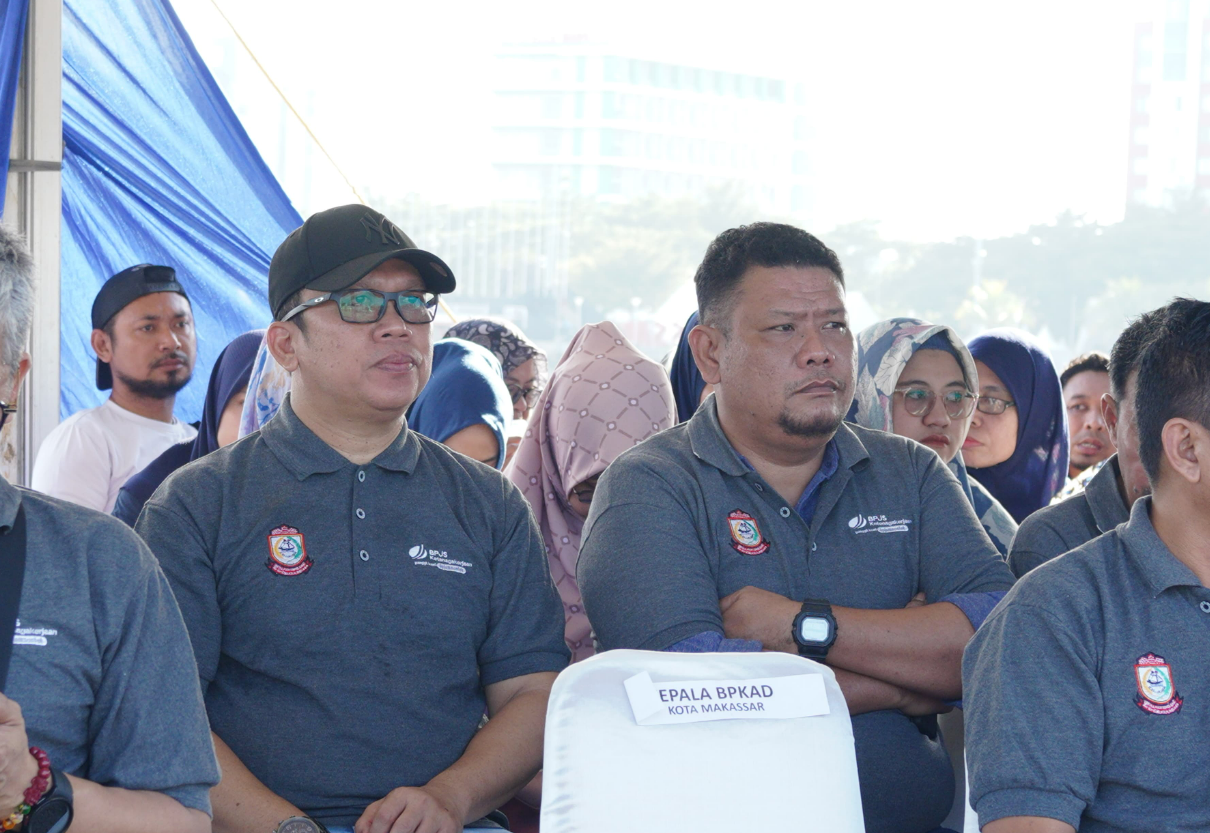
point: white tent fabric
(604, 773)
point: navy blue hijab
(1027, 480)
(466, 388)
(687, 381)
(228, 377)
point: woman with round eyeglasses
(1017, 444)
(918, 380)
(523, 362)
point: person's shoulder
(452, 466)
(88, 424)
(1073, 582)
(662, 455)
(1061, 521)
(199, 485)
(70, 530)
(885, 448)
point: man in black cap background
(359, 596)
(145, 344)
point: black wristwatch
(300, 824)
(814, 629)
(53, 812)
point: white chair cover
(603, 773)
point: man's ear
(1109, 410)
(705, 342)
(282, 338)
(1186, 448)
(102, 345)
(10, 395)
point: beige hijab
(603, 398)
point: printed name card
(692, 701)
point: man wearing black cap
(145, 345)
(358, 596)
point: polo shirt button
(1205, 606)
(814, 546)
(365, 556)
(785, 511)
(361, 513)
(361, 477)
(758, 487)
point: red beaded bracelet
(33, 794)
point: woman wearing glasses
(603, 398)
(918, 380)
(522, 361)
(1017, 446)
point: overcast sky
(937, 119)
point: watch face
(813, 629)
(298, 825)
(51, 816)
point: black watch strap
(54, 811)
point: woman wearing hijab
(918, 380)
(603, 398)
(688, 386)
(465, 403)
(219, 426)
(522, 362)
(1017, 444)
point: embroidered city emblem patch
(287, 552)
(1157, 692)
(745, 534)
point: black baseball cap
(124, 287)
(336, 248)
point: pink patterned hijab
(603, 398)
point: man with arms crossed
(100, 678)
(1086, 689)
(358, 596)
(765, 517)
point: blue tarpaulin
(12, 37)
(157, 169)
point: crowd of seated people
(357, 530)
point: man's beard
(818, 425)
(152, 389)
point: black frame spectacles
(6, 411)
(367, 306)
(584, 491)
(529, 395)
(958, 404)
(994, 406)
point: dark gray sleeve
(148, 727)
(525, 630)
(646, 579)
(1025, 755)
(185, 559)
(1036, 542)
(956, 556)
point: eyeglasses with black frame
(584, 491)
(528, 395)
(919, 401)
(994, 406)
(367, 306)
(6, 411)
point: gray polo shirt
(346, 618)
(1054, 530)
(101, 665)
(679, 521)
(1086, 691)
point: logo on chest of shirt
(423, 556)
(287, 552)
(1157, 692)
(745, 534)
(861, 524)
(26, 635)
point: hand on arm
(500, 759)
(866, 694)
(97, 808)
(918, 648)
(1028, 824)
(241, 803)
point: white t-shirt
(89, 456)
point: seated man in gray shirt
(1121, 480)
(766, 517)
(1085, 689)
(101, 719)
(359, 596)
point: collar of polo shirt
(305, 454)
(1161, 568)
(710, 444)
(1104, 500)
